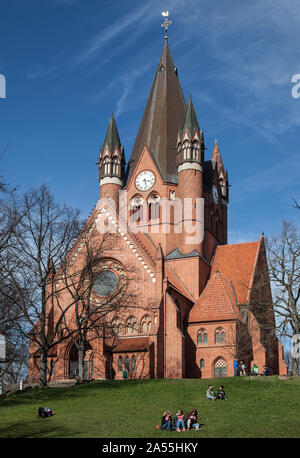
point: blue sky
(69, 64)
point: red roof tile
(237, 263)
(217, 301)
(176, 282)
(132, 344)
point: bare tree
(94, 314)
(16, 360)
(284, 268)
(296, 204)
(38, 245)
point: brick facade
(195, 300)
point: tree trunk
(81, 354)
(295, 366)
(43, 370)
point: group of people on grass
(181, 422)
(210, 394)
(240, 369)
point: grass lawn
(262, 407)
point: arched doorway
(88, 362)
(220, 368)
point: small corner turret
(190, 142)
(111, 162)
(222, 173)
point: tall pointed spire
(162, 119)
(216, 156)
(190, 122)
(112, 138)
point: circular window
(106, 283)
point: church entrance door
(220, 368)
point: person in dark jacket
(221, 393)
(192, 420)
(266, 371)
(166, 421)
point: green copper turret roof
(190, 121)
(112, 138)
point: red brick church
(198, 301)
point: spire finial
(166, 22)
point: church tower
(111, 163)
(190, 157)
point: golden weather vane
(166, 22)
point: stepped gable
(237, 263)
(217, 301)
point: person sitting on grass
(254, 370)
(266, 371)
(210, 394)
(221, 393)
(45, 412)
(243, 368)
(166, 421)
(180, 421)
(192, 420)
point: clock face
(145, 180)
(215, 194)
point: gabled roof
(217, 301)
(162, 119)
(237, 263)
(176, 282)
(132, 344)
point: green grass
(262, 407)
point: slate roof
(162, 119)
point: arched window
(220, 368)
(220, 336)
(107, 165)
(127, 363)
(52, 367)
(136, 209)
(154, 206)
(202, 337)
(120, 364)
(117, 327)
(116, 166)
(146, 324)
(131, 325)
(201, 363)
(133, 364)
